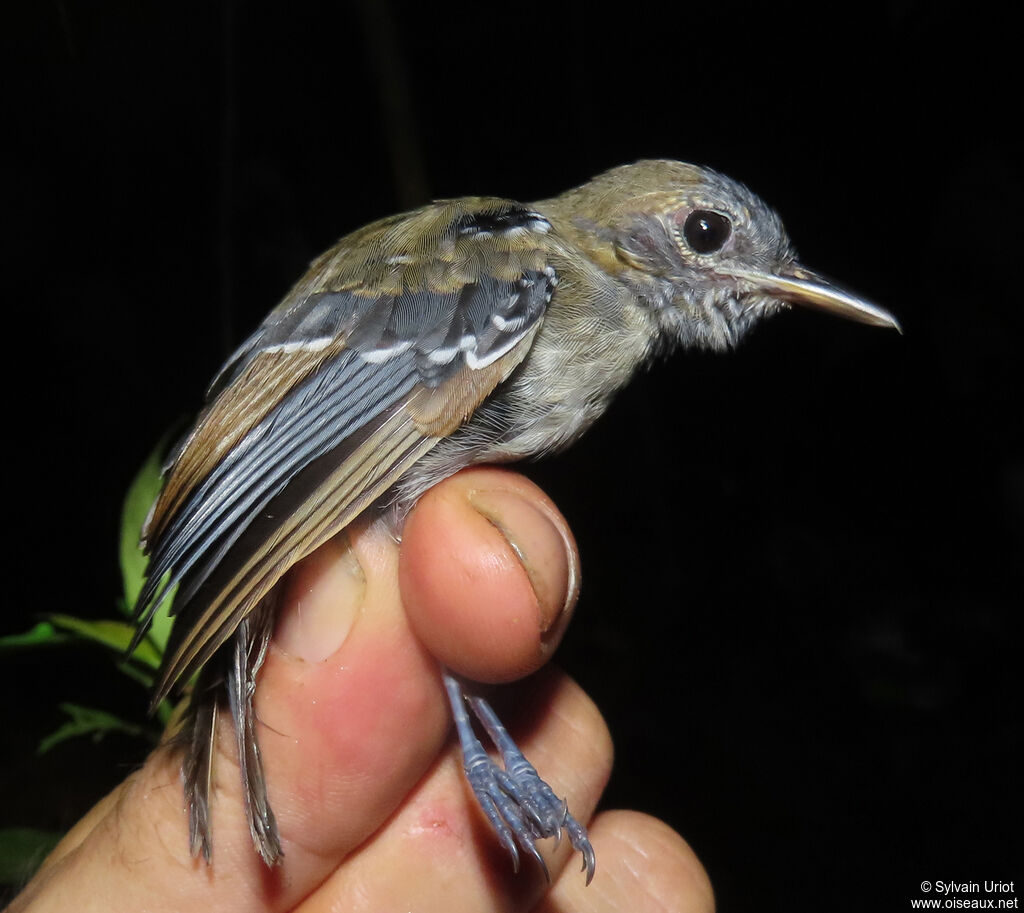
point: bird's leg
(521, 807)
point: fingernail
(543, 544)
(322, 599)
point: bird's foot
(521, 807)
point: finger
(645, 866)
(351, 714)
(351, 707)
(438, 852)
(489, 574)
(79, 832)
(344, 738)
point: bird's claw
(523, 809)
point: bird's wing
(386, 346)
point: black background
(802, 561)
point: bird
(470, 330)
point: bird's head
(708, 256)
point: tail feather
(249, 649)
(200, 736)
(230, 677)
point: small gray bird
(468, 331)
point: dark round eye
(706, 231)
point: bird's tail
(228, 681)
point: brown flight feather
(229, 418)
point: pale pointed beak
(805, 289)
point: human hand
(367, 786)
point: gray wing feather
(346, 394)
(395, 343)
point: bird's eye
(706, 231)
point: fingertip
(541, 540)
(489, 574)
(643, 865)
(322, 597)
(673, 871)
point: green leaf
(144, 677)
(116, 635)
(163, 712)
(92, 722)
(43, 634)
(22, 849)
(160, 626)
(140, 497)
